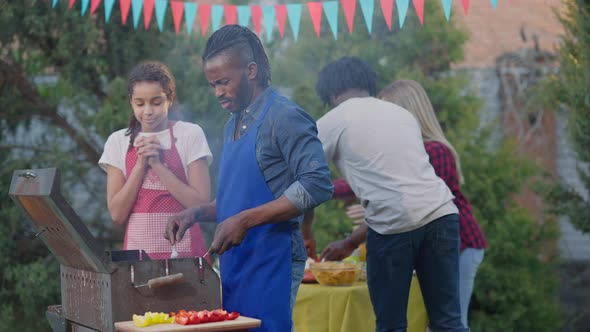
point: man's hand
(179, 223)
(310, 248)
(356, 212)
(337, 250)
(229, 233)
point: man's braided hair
(240, 41)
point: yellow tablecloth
(348, 309)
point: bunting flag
(315, 10)
(190, 11)
(231, 14)
(94, 5)
(269, 15)
(84, 7)
(216, 16)
(494, 3)
(161, 6)
(281, 11)
(331, 10)
(447, 8)
(368, 8)
(256, 12)
(402, 10)
(243, 15)
(125, 5)
(108, 9)
(349, 7)
(294, 13)
(387, 9)
(419, 6)
(136, 6)
(177, 10)
(465, 6)
(204, 14)
(148, 11)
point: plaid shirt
(443, 162)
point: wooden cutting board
(241, 323)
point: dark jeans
(433, 251)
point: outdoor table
(348, 309)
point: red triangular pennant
(315, 10)
(231, 14)
(419, 6)
(177, 10)
(125, 5)
(71, 4)
(94, 5)
(256, 12)
(387, 8)
(281, 11)
(204, 16)
(148, 11)
(466, 6)
(349, 7)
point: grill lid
(37, 192)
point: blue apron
(256, 275)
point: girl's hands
(148, 151)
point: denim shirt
(290, 157)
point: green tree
(569, 91)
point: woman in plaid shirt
(445, 161)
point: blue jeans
(469, 262)
(297, 270)
(433, 251)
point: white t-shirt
(190, 143)
(378, 148)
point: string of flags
(260, 15)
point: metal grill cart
(99, 288)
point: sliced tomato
(182, 320)
(203, 316)
(172, 314)
(193, 319)
(222, 314)
(233, 315)
(213, 316)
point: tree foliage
(570, 92)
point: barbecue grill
(99, 288)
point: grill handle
(170, 280)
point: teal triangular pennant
(269, 16)
(402, 10)
(447, 8)
(108, 8)
(216, 16)
(84, 7)
(190, 11)
(368, 7)
(294, 14)
(160, 7)
(243, 15)
(136, 7)
(331, 11)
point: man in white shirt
(411, 221)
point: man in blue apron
(272, 170)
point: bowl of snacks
(336, 273)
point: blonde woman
(445, 161)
